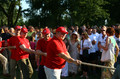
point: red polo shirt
(54, 47)
(13, 42)
(3, 43)
(42, 45)
(22, 54)
(0, 46)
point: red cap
(62, 30)
(18, 27)
(45, 31)
(24, 30)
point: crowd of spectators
(85, 43)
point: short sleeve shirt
(13, 42)
(102, 40)
(21, 53)
(54, 47)
(42, 45)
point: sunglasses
(102, 30)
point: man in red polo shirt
(57, 55)
(41, 50)
(23, 50)
(13, 59)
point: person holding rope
(13, 59)
(41, 50)
(57, 55)
(23, 50)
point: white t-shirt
(97, 36)
(92, 37)
(87, 43)
(102, 40)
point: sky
(24, 5)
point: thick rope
(95, 65)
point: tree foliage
(10, 12)
(113, 9)
(60, 12)
(67, 12)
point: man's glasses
(102, 30)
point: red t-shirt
(54, 47)
(42, 45)
(32, 45)
(3, 43)
(22, 54)
(13, 42)
(0, 46)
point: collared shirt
(92, 37)
(96, 36)
(102, 41)
(13, 42)
(21, 53)
(87, 43)
(42, 46)
(55, 47)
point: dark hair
(117, 31)
(110, 31)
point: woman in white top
(86, 45)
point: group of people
(58, 52)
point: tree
(11, 10)
(67, 12)
(113, 10)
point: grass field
(35, 75)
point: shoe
(6, 75)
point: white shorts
(52, 73)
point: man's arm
(69, 59)
(39, 52)
(23, 47)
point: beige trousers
(4, 61)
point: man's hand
(38, 52)
(77, 62)
(45, 54)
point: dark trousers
(41, 72)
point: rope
(95, 65)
